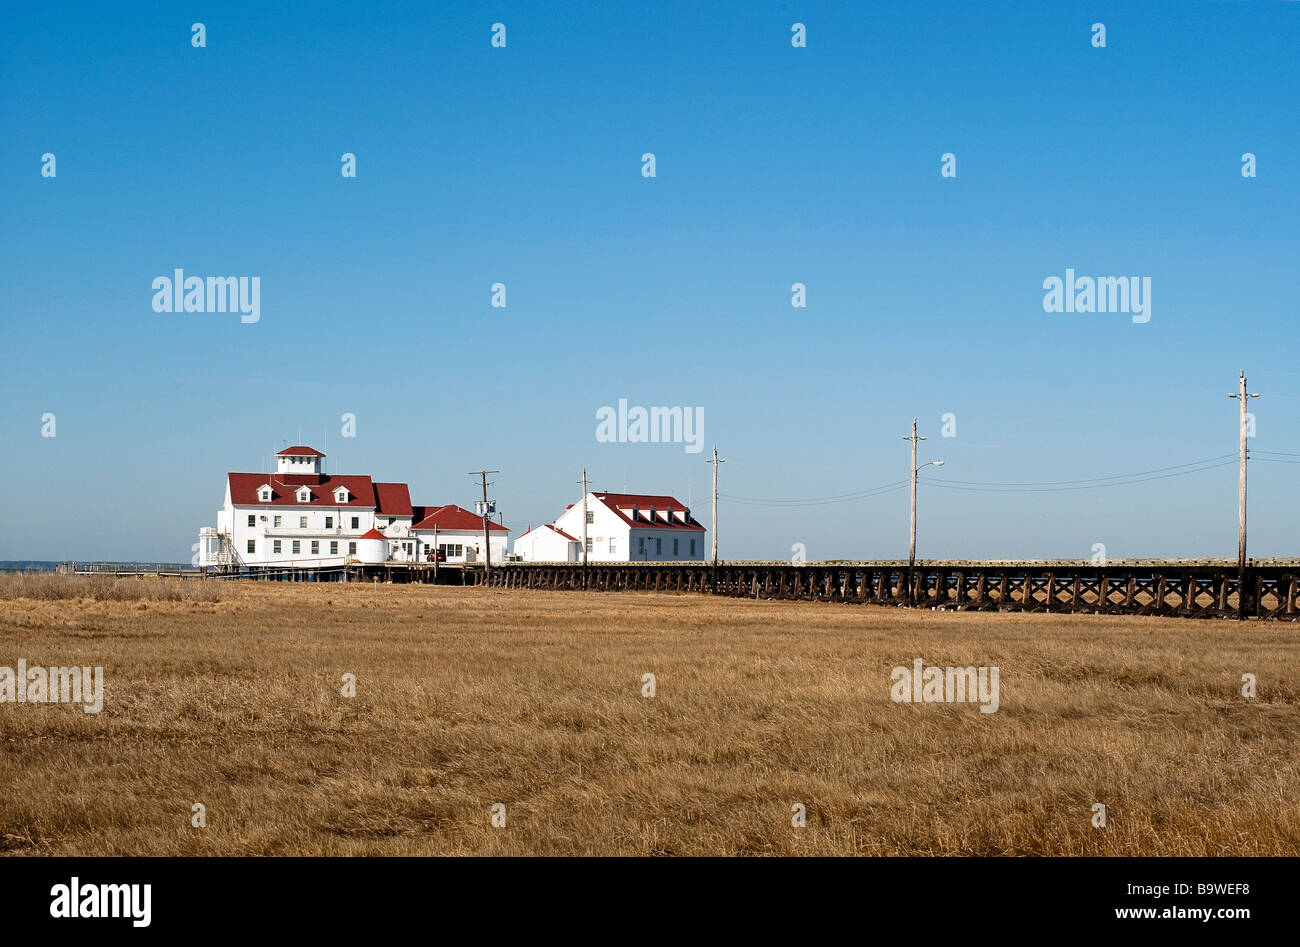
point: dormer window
(264, 493)
(304, 495)
(266, 496)
(341, 495)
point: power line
(1227, 462)
(817, 501)
(1043, 486)
(1062, 483)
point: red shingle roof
(643, 502)
(452, 516)
(244, 486)
(372, 534)
(299, 452)
(394, 499)
(572, 539)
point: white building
(302, 516)
(458, 533)
(621, 527)
(548, 543)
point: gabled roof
(284, 489)
(452, 516)
(299, 452)
(622, 504)
(372, 533)
(572, 539)
(393, 499)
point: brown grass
(100, 587)
(468, 697)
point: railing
(1183, 588)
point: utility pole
(1241, 501)
(583, 481)
(911, 549)
(715, 461)
(487, 539)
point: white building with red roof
(547, 543)
(302, 516)
(621, 527)
(458, 533)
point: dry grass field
(468, 697)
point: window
(641, 546)
(275, 546)
(302, 522)
(252, 545)
(390, 521)
(266, 496)
(329, 522)
(659, 547)
(352, 549)
(356, 522)
(451, 550)
(334, 547)
(426, 547)
(304, 496)
(315, 547)
(252, 519)
(692, 547)
(674, 546)
(613, 545)
(591, 516)
(276, 521)
(297, 546)
(589, 545)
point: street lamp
(911, 549)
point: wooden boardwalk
(1191, 588)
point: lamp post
(911, 549)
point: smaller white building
(548, 543)
(458, 534)
(620, 527)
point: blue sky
(775, 165)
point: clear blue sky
(775, 165)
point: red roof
(299, 452)
(572, 539)
(244, 486)
(452, 516)
(393, 499)
(644, 502)
(372, 534)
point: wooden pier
(1200, 588)
(1184, 588)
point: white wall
(264, 533)
(471, 542)
(546, 545)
